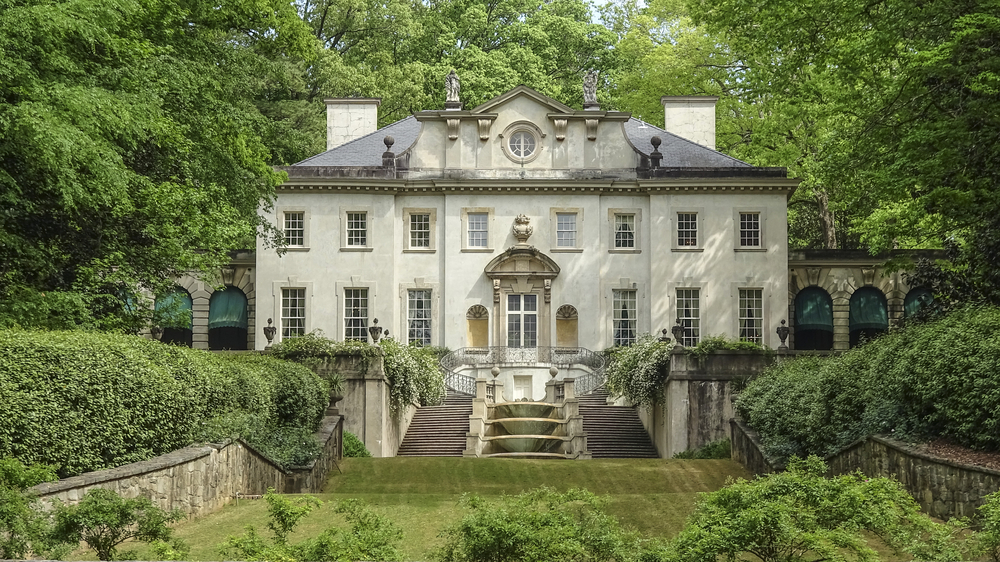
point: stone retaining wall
(943, 488)
(201, 479)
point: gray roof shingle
(367, 150)
(677, 152)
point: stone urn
(522, 229)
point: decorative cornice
(519, 186)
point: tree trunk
(826, 220)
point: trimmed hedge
(88, 401)
(940, 378)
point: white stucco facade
(460, 184)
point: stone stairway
(614, 432)
(438, 431)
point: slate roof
(677, 152)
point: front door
(522, 320)
(522, 388)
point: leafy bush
(932, 379)
(706, 346)
(414, 375)
(353, 447)
(104, 520)
(541, 525)
(24, 529)
(638, 371)
(371, 536)
(720, 449)
(87, 401)
(802, 515)
(989, 535)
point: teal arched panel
(869, 315)
(916, 299)
(813, 319)
(177, 304)
(227, 309)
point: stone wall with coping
(201, 479)
(943, 488)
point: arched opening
(173, 313)
(478, 322)
(567, 333)
(227, 319)
(917, 298)
(813, 319)
(869, 314)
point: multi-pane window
(624, 231)
(478, 230)
(689, 313)
(295, 229)
(751, 315)
(566, 230)
(418, 316)
(357, 229)
(750, 229)
(356, 314)
(522, 320)
(522, 144)
(293, 313)
(687, 229)
(420, 231)
(623, 316)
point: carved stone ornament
(496, 290)
(548, 290)
(560, 125)
(591, 129)
(590, 88)
(452, 86)
(484, 128)
(453, 128)
(522, 230)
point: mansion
(523, 222)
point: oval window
(522, 144)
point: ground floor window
(418, 316)
(356, 314)
(689, 313)
(293, 313)
(623, 316)
(751, 315)
(522, 320)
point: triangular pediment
(522, 91)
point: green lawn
(421, 495)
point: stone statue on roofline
(590, 88)
(452, 85)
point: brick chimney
(691, 117)
(350, 118)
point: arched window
(869, 314)
(478, 322)
(566, 326)
(813, 319)
(227, 319)
(173, 313)
(916, 299)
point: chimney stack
(350, 118)
(691, 117)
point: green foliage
(540, 525)
(721, 449)
(802, 515)
(24, 529)
(930, 379)
(104, 520)
(707, 345)
(175, 549)
(638, 371)
(86, 401)
(353, 447)
(414, 375)
(989, 535)
(371, 536)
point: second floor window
(624, 231)
(420, 231)
(478, 230)
(687, 230)
(357, 229)
(565, 230)
(295, 228)
(750, 230)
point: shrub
(638, 371)
(353, 447)
(932, 379)
(720, 449)
(707, 345)
(104, 520)
(989, 535)
(24, 529)
(87, 401)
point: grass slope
(421, 495)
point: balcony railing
(561, 357)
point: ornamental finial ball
(495, 371)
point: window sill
(687, 249)
(566, 250)
(478, 250)
(624, 251)
(296, 248)
(356, 248)
(749, 249)
(419, 251)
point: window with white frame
(479, 230)
(623, 316)
(293, 313)
(750, 230)
(522, 320)
(624, 230)
(689, 313)
(687, 230)
(566, 230)
(295, 228)
(356, 314)
(418, 316)
(751, 315)
(357, 229)
(420, 230)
